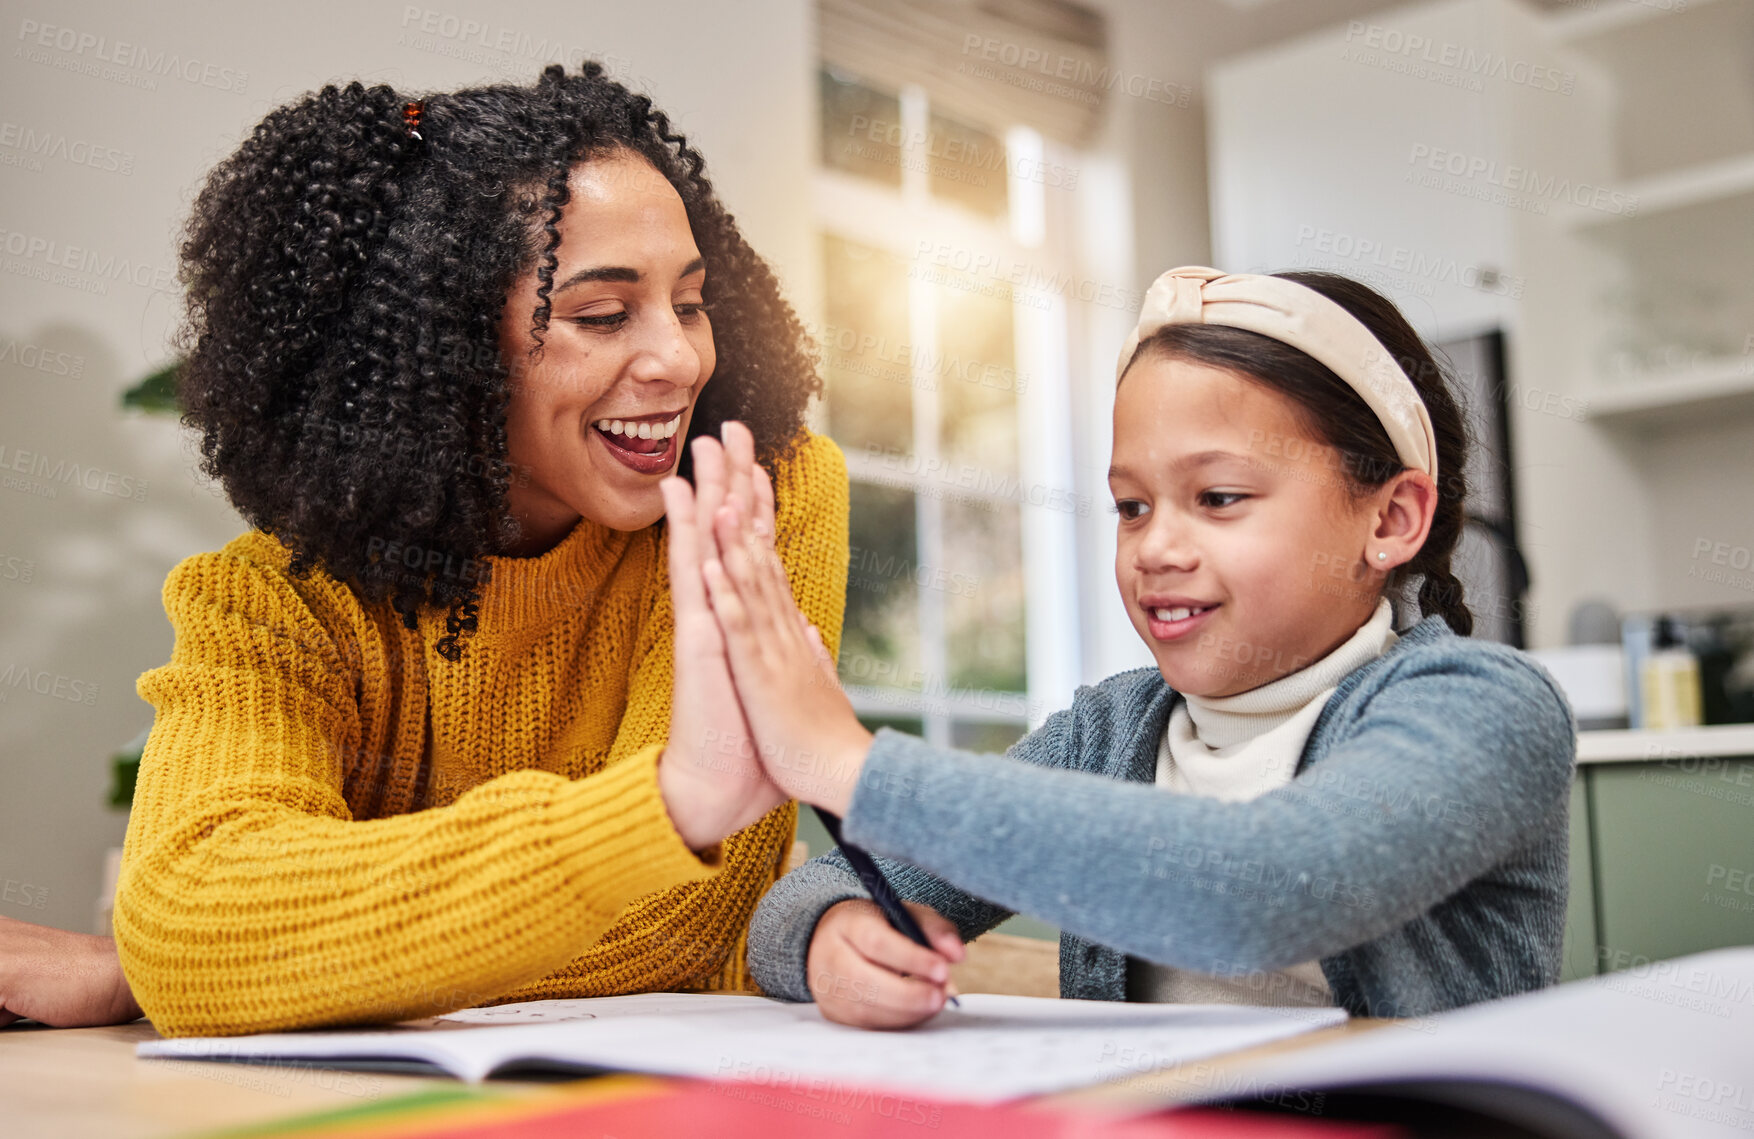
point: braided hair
(1339, 417)
(345, 282)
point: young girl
(1301, 804)
(420, 744)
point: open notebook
(992, 1048)
(1664, 1049)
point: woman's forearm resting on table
(248, 915)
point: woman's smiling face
(599, 416)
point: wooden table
(86, 1083)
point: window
(932, 383)
(944, 338)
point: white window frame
(899, 221)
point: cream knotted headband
(1304, 319)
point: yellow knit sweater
(335, 825)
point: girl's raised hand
(809, 739)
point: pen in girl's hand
(876, 884)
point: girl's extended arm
(1459, 757)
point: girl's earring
(1382, 555)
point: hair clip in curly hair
(411, 118)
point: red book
(634, 1108)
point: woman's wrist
(122, 1007)
(689, 802)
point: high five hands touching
(803, 739)
(713, 784)
(720, 772)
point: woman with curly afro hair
(433, 733)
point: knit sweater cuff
(784, 925)
(622, 830)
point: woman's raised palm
(713, 781)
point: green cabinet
(1580, 904)
(1673, 849)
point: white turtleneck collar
(1237, 747)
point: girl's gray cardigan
(1420, 852)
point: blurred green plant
(157, 393)
(125, 769)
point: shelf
(1699, 185)
(1640, 746)
(1696, 395)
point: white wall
(1146, 179)
(737, 78)
(1322, 146)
